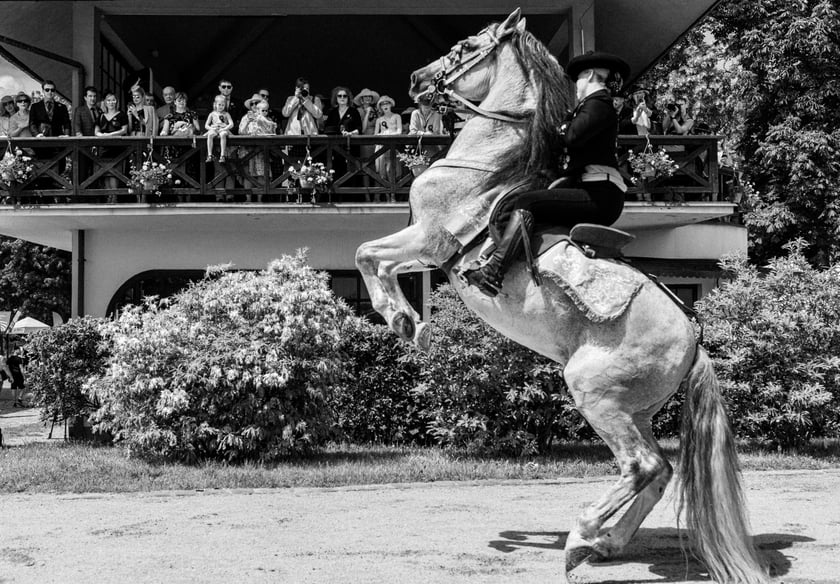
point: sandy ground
(482, 532)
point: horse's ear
(511, 21)
(520, 27)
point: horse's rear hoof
(403, 325)
(423, 337)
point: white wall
(112, 257)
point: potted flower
(312, 176)
(15, 169)
(149, 177)
(415, 159)
(650, 165)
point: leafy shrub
(375, 401)
(234, 367)
(487, 392)
(775, 340)
(61, 360)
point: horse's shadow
(660, 548)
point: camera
(303, 92)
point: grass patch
(77, 468)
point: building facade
(123, 251)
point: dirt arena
(483, 532)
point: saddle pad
(602, 289)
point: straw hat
(7, 99)
(23, 95)
(385, 99)
(366, 93)
(256, 98)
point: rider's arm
(592, 118)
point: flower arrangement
(15, 168)
(414, 157)
(312, 175)
(149, 176)
(650, 164)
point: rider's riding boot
(488, 278)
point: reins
(447, 75)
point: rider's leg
(600, 202)
(488, 278)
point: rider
(592, 189)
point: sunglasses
(226, 86)
(264, 95)
(23, 101)
(49, 89)
(342, 95)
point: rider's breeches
(598, 202)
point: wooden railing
(96, 170)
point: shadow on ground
(664, 550)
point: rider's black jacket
(591, 134)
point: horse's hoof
(423, 337)
(403, 325)
(576, 556)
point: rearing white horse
(619, 372)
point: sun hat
(366, 93)
(598, 60)
(7, 99)
(386, 98)
(254, 99)
(24, 95)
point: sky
(13, 80)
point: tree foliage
(60, 361)
(234, 367)
(765, 73)
(34, 279)
(775, 340)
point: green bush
(235, 367)
(375, 401)
(486, 392)
(61, 360)
(775, 341)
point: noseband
(447, 75)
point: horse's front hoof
(403, 325)
(423, 337)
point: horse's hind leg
(641, 466)
(611, 540)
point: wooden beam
(231, 50)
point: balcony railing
(96, 170)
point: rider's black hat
(598, 60)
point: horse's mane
(538, 158)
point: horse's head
(468, 68)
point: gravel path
(483, 532)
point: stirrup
(605, 242)
(476, 277)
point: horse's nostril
(413, 78)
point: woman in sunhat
(365, 101)
(388, 123)
(591, 190)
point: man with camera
(302, 110)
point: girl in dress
(388, 123)
(219, 123)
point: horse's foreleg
(381, 260)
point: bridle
(447, 75)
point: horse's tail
(710, 488)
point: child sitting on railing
(219, 123)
